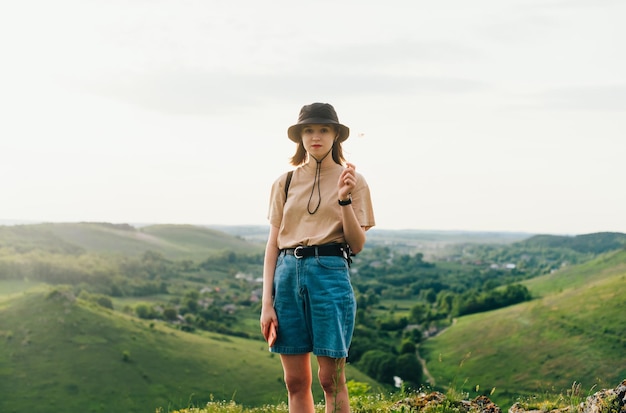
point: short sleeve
(362, 204)
(277, 201)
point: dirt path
(429, 377)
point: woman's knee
(297, 383)
(331, 377)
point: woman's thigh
(297, 368)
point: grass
(173, 241)
(79, 357)
(11, 287)
(427, 401)
(360, 402)
(543, 345)
(607, 265)
(192, 237)
(120, 302)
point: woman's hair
(300, 156)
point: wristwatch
(347, 201)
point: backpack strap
(287, 182)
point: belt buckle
(297, 250)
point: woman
(318, 216)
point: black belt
(319, 250)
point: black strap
(321, 250)
(289, 175)
(328, 249)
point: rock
(484, 405)
(606, 401)
(480, 404)
(603, 401)
(422, 400)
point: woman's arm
(268, 315)
(352, 230)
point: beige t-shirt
(296, 225)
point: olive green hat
(321, 114)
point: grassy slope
(193, 237)
(173, 241)
(607, 265)
(60, 354)
(574, 333)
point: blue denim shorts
(315, 306)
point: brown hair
(300, 156)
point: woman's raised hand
(347, 181)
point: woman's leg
(298, 379)
(332, 377)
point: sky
(487, 115)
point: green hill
(59, 353)
(173, 241)
(595, 243)
(575, 332)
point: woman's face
(318, 139)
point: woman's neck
(324, 161)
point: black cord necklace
(318, 175)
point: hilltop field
(99, 317)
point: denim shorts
(315, 306)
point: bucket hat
(317, 113)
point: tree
(378, 365)
(144, 311)
(418, 313)
(445, 301)
(170, 313)
(407, 347)
(104, 301)
(409, 369)
(429, 295)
